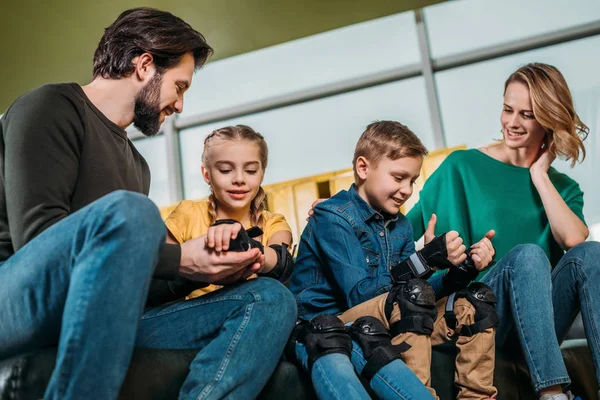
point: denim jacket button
(381, 234)
(377, 216)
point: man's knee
(482, 311)
(416, 301)
(133, 211)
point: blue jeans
(241, 331)
(82, 285)
(334, 376)
(535, 301)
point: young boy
(357, 261)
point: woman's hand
(541, 166)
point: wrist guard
(419, 265)
(282, 271)
(458, 278)
(244, 240)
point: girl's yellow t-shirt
(190, 219)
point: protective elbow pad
(282, 271)
(326, 334)
(374, 340)
(244, 240)
(482, 297)
(416, 300)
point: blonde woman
(547, 273)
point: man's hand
(454, 243)
(218, 236)
(200, 263)
(483, 252)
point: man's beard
(146, 112)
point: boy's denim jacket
(345, 254)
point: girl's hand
(218, 236)
(543, 162)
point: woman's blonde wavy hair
(553, 108)
(241, 133)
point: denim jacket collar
(365, 211)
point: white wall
(319, 135)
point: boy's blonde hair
(388, 139)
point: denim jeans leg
(393, 381)
(575, 287)
(82, 284)
(522, 285)
(333, 376)
(240, 331)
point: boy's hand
(483, 252)
(218, 236)
(454, 243)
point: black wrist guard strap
(414, 266)
(435, 253)
(458, 277)
(244, 240)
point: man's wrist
(186, 259)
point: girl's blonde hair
(239, 132)
(553, 108)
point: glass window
(350, 52)
(455, 27)
(471, 97)
(317, 136)
(154, 151)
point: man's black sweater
(59, 153)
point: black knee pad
(374, 340)
(483, 300)
(326, 334)
(416, 300)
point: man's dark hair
(147, 30)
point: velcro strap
(414, 266)
(418, 265)
(473, 329)
(449, 315)
(382, 356)
(253, 232)
(416, 324)
(225, 221)
(390, 301)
